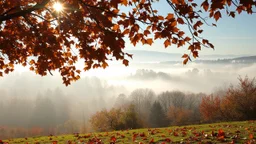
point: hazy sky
(232, 36)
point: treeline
(237, 103)
(143, 108)
(32, 109)
(146, 109)
(21, 116)
(54, 112)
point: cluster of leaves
(32, 33)
(233, 132)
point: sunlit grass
(239, 132)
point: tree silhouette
(34, 34)
(157, 117)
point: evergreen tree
(157, 118)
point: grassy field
(227, 132)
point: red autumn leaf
(125, 2)
(113, 139)
(187, 39)
(185, 61)
(151, 141)
(170, 16)
(149, 41)
(232, 14)
(180, 21)
(185, 56)
(250, 136)
(125, 62)
(168, 140)
(217, 15)
(205, 5)
(195, 54)
(180, 33)
(200, 31)
(115, 27)
(167, 43)
(204, 41)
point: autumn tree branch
(38, 6)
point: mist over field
(28, 100)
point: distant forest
(53, 112)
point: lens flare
(58, 6)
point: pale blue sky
(231, 36)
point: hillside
(237, 60)
(154, 56)
(227, 132)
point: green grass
(238, 132)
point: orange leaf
(191, 48)
(239, 9)
(205, 5)
(32, 68)
(195, 54)
(160, 17)
(149, 41)
(125, 2)
(169, 16)
(126, 31)
(146, 32)
(217, 15)
(104, 65)
(251, 136)
(187, 39)
(125, 62)
(185, 61)
(180, 33)
(180, 21)
(204, 41)
(115, 27)
(167, 43)
(174, 40)
(185, 56)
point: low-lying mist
(29, 101)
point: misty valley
(145, 94)
(127, 71)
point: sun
(58, 7)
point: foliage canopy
(34, 34)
